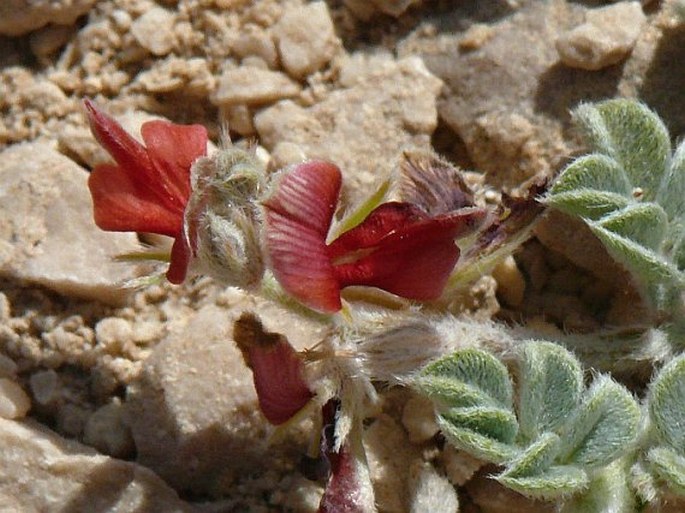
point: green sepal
(476, 444)
(554, 482)
(466, 378)
(630, 133)
(668, 466)
(550, 388)
(667, 405)
(673, 186)
(605, 425)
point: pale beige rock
(511, 284)
(362, 128)
(431, 491)
(191, 76)
(459, 466)
(14, 402)
(390, 457)
(306, 39)
(194, 413)
(253, 86)
(8, 367)
(19, 17)
(255, 41)
(239, 119)
(47, 232)
(49, 473)
(394, 7)
(607, 36)
(154, 31)
(418, 418)
(49, 39)
(107, 431)
(46, 386)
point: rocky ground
(121, 400)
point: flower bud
(221, 220)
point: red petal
(120, 205)
(276, 368)
(180, 258)
(298, 214)
(383, 220)
(416, 259)
(126, 151)
(173, 149)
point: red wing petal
(180, 259)
(124, 149)
(276, 368)
(415, 260)
(120, 205)
(173, 149)
(378, 224)
(278, 380)
(298, 214)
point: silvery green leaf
(594, 172)
(607, 492)
(534, 459)
(495, 423)
(554, 482)
(631, 134)
(465, 378)
(669, 466)
(550, 387)
(667, 405)
(605, 425)
(477, 444)
(651, 270)
(587, 203)
(673, 185)
(643, 223)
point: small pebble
(14, 402)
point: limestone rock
(14, 402)
(47, 232)
(19, 17)
(154, 31)
(607, 36)
(194, 413)
(394, 7)
(363, 128)
(253, 86)
(431, 491)
(191, 76)
(49, 473)
(306, 39)
(390, 457)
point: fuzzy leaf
(631, 134)
(652, 271)
(673, 185)
(535, 459)
(667, 405)
(495, 423)
(477, 444)
(643, 223)
(594, 172)
(587, 203)
(465, 377)
(554, 482)
(607, 492)
(668, 465)
(605, 425)
(551, 383)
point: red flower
(148, 188)
(399, 247)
